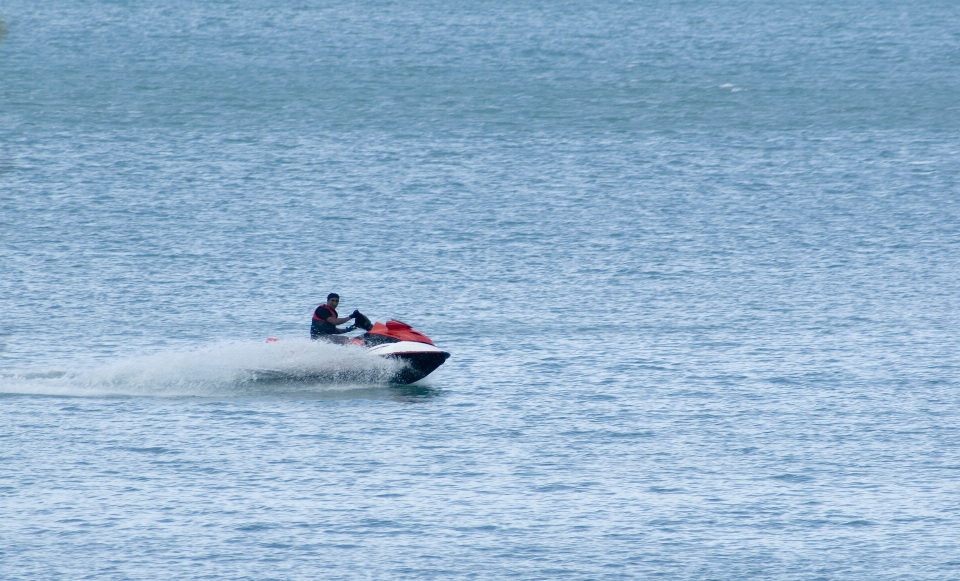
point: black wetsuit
(320, 326)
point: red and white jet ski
(397, 340)
(393, 340)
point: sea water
(697, 264)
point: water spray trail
(222, 369)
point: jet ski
(397, 340)
(392, 340)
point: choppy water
(698, 265)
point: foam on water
(221, 369)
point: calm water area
(697, 264)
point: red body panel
(399, 331)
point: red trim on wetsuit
(332, 312)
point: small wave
(223, 369)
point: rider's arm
(337, 320)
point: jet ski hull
(419, 359)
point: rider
(325, 319)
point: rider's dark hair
(333, 296)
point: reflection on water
(412, 393)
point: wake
(233, 368)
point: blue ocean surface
(697, 264)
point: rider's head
(333, 299)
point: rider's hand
(354, 314)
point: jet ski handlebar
(360, 321)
